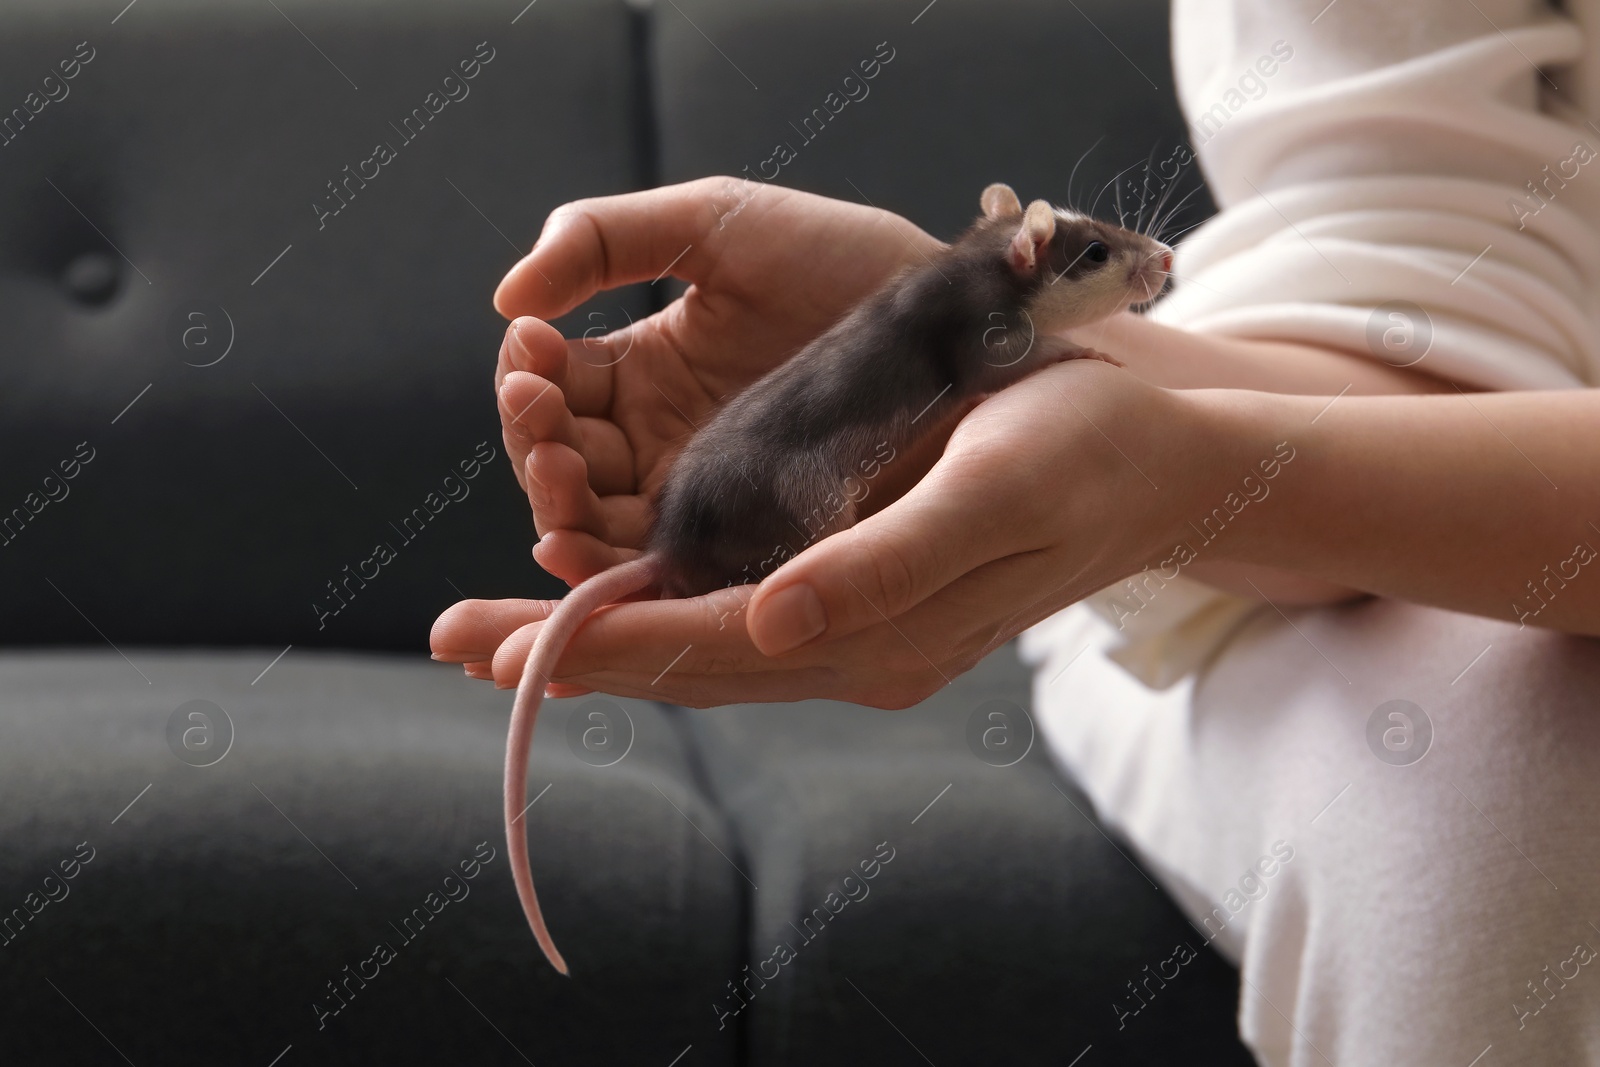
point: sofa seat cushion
(928, 879)
(210, 907)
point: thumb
(880, 568)
(604, 242)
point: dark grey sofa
(233, 367)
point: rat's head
(1075, 269)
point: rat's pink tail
(604, 588)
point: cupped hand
(1049, 490)
(592, 422)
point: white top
(1386, 157)
(1408, 153)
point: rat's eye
(1096, 252)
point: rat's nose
(1166, 262)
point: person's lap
(1419, 897)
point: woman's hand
(1049, 490)
(590, 423)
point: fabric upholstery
(217, 492)
(1006, 921)
(216, 908)
(197, 142)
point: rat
(773, 469)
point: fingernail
(788, 619)
(521, 358)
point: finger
(945, 526)
(627, 520)
(604, 242)
(471, 630)
(502, 363)
(599, 447)
(538, 408)
(517, 445)
(536, 347)
(534, 409)
(885, 666)
(718, 690)
(481, 671)
(559, 493)
(707, 635)
(516, 438)
(512, 655)
(562, 500)
(911, 464)
(575, 557)
(609, 456)
(698, 635)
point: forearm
(1178, 359)
(1482, 503)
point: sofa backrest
(1029, 92)
(246, 254)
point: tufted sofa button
(91, 277)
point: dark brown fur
(746, 491)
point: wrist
(1244, 447)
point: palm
(763, 281)
(769, 280)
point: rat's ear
(1038, 226)
(1000, 202)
